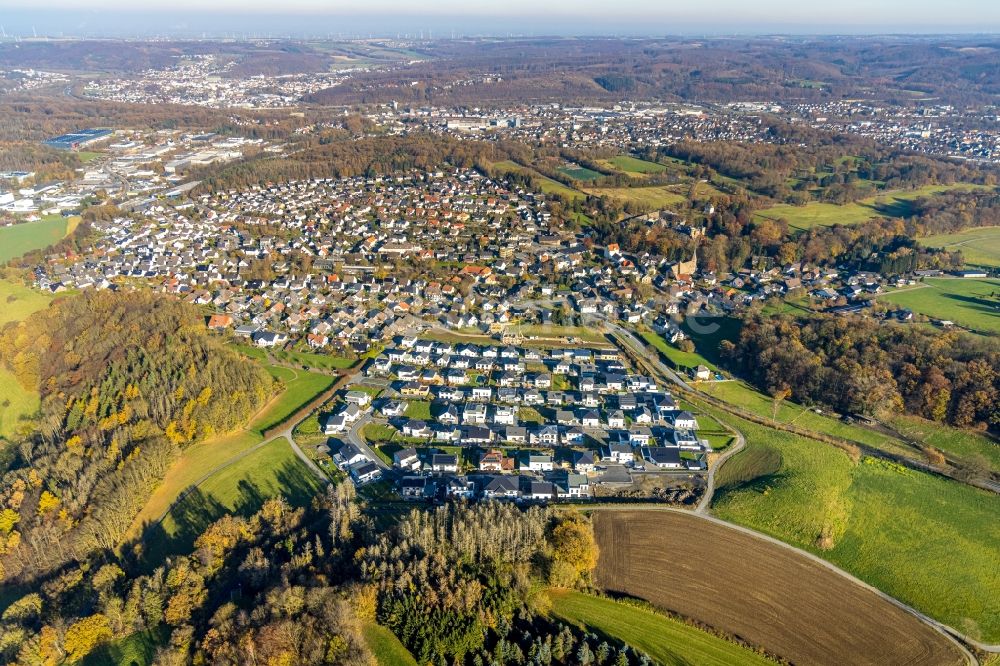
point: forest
(816, 162)
(460, 584)
(855, 365)
(126, 381)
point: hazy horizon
(389, 18)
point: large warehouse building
(78, 139)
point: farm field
(925, 540)
(886, 204)
(666, 640)
(386, 647)
(970, 303)
(18, 301)
(28, 236)
(980, 246)
(661, 196)
(240, 488)
(770, 596)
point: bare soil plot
(765, 594)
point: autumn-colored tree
(574, 550)
(85, 634)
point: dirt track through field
(767, 595)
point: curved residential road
(956, 637)
(355, 438)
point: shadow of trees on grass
(192, 515)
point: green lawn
(241, 488)
(386, 647)
(553, 331)
(665, 640)
(681, 360)
(925, 540)
(979, 246)
(887, 204)
(18, 301)
(27, 236)
(970, 303)
(300, 388)
(377, 432)
(418, 409)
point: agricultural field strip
(949, 633)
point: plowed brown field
(769, 596)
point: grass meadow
(18, 301)
(27, 236)
(666, 640)
(634, 165)
(970, 303)
(659, 196)
(388, 650)
(241, 488)
(887, 204)
(300, 388)
(15, 402)
(979, 246)
(926, 540)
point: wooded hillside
(126, 380)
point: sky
(495, 17)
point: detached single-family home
(444, 462)
(619, 453)
(365, 473)
(406, 459)
(537, 462)
(661, 456)
(359, 398)
(415, 488)
(416, 428)
(684, 420)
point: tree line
(855, 365)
